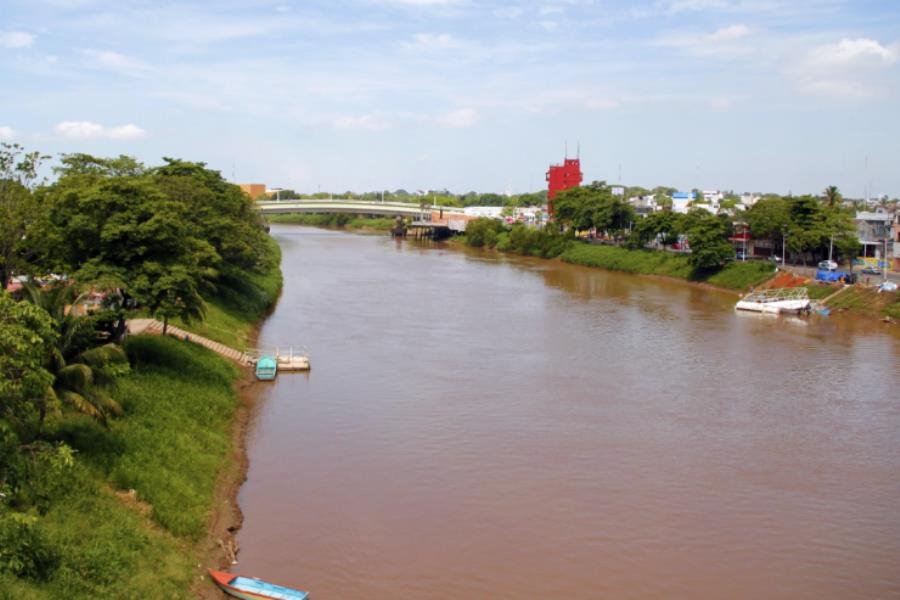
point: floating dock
(278, 359)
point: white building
(748, 199)
(681, 201)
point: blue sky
(750, 95)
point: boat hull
(228, 583)
(779, 306)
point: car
(775, 258)
(828, 265)
(872, 270)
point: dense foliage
(78, 417)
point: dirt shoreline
(219, 548)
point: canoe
(250, 588)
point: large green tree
(19, 209)
(708, 235)
(26, 335)
(120, 230)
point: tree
(125, 232)
(81, 370)
(169, 291)
(26, 334)
(833, 197)
(19, 210)
(708, 235)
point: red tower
(562, 177)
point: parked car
(870, 270)
(775, 258)
(828, 265)
(739, 255)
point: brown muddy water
(482, 426)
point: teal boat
(266, 368)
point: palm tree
(82, 374)
(832, 196)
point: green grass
(742, 275)
(733, 276)
(340, 221)
(169, 447)
(644, 262)
(867, 301)
(818, 291)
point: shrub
(24, 550)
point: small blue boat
(249, 588)
(266, 368)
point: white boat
(781, 300)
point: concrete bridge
(357, 207)
(427, 217)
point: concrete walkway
(137, 326)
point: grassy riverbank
(239, 302)
(92, 538)
(335, 221)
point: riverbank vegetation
(109, 454)
(703, 242)
(334, 221)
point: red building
(562, 177)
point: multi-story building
(562, 177)
(254, 190)
(873, 228)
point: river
(487, 426)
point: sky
(745, 95)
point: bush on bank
(549, 244)
(85, 539)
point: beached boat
(250, 588)
(782, 300)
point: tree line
(809, 226)
(124, 236)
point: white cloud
(732, 32)
(458, 119)
(89, 130)
(126, 132)
(719, 103)
(431, 41)
(550, 25)
(856, 52)
(849, 68)
(365, 123)
(16, 39)
(7, 133)
(725, 42)
(115, 62)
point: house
(617, 190)
(681, 201)
(644, 205)
(873, 228)
(749, 200)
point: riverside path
(137, 326)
